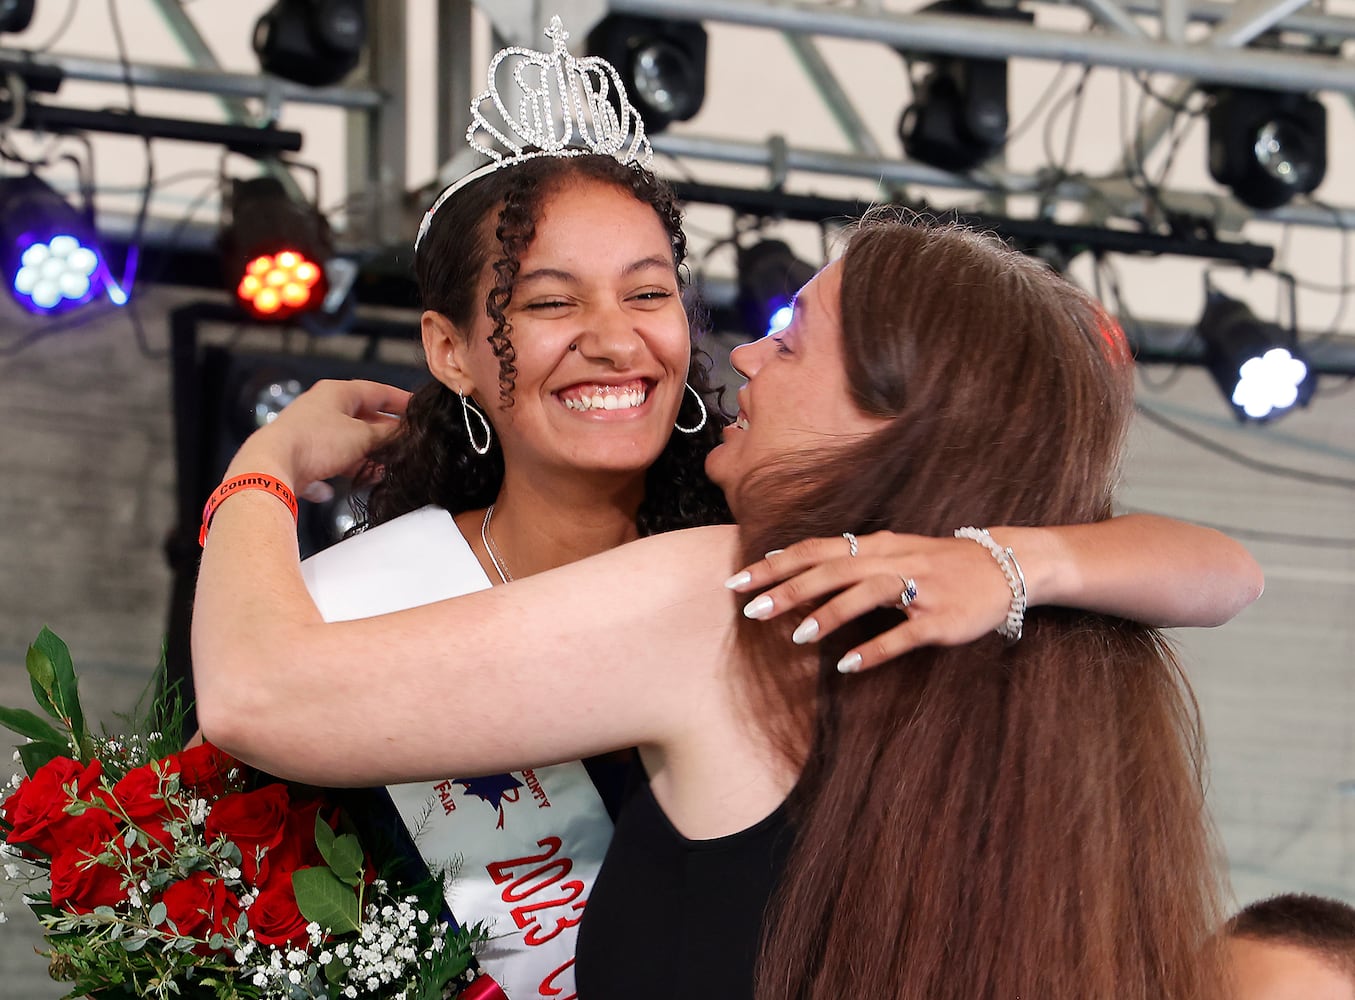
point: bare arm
(1146, 568)
(551, 668)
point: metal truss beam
(268, 88)
(1119, 197)
(996, 38)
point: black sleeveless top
(676, 918)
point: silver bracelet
(1016, 580)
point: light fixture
(958, 115)
(15, 15)
(48, 248)
(769, 276)
(663, 64)
(1268, 147)
(274, 250)
(313, 42)
(1258, 366)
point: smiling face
(797, 397)
(600, 338)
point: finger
(814, 584)
(904, 638)
(317, 492)
(780, 564)
(852, 603)
(380, 399)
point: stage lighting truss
(312, 42)
(662, 62)
(274, 250)
(1267, 147)
(769, 276)
(49, 248)
(1258, 366)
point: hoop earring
(467, 408)
(700, 423)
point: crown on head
(566, 107)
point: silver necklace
(494, 556)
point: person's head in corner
(1293, 947)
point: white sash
(526, 845)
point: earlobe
(445, 350)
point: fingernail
(849, 664)
(773, 552)
(807, 632)
(758, 608)
(739, 580)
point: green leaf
(159, 912)
(42, 675)
(67, 688)
(321, 897)
(34, 755)
(25, 723)
(346, 859)
(324, 838)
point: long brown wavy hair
(987, 821)
(491, 223)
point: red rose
(79, 881)
(201, 906)
(36, 809)
(203, 770)
(297, 849)
(255, 822)
(274, 916)
(139, 793)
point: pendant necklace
(493, 552)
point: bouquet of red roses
(184, 873)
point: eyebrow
(643, 264)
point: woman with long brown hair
(994, 819)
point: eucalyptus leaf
(159, 912)
(323, 898)
(25, 723)
(134, 944)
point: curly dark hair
(431, 461)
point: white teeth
(741, 423)
(623, 400)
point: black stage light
(1257, 365)
(769, 276)
(274, 250)
(663, 64)
(15, 15)
(314, 42)
(958, 118)
(1267, 146)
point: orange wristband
(238, 484)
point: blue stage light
(768, 278)
(47, 247)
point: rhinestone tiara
(566, 108)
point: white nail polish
(849, 664)
(807, 632)
(758, 608)
(738, 580)
(773, 552)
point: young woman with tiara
(562, 354)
